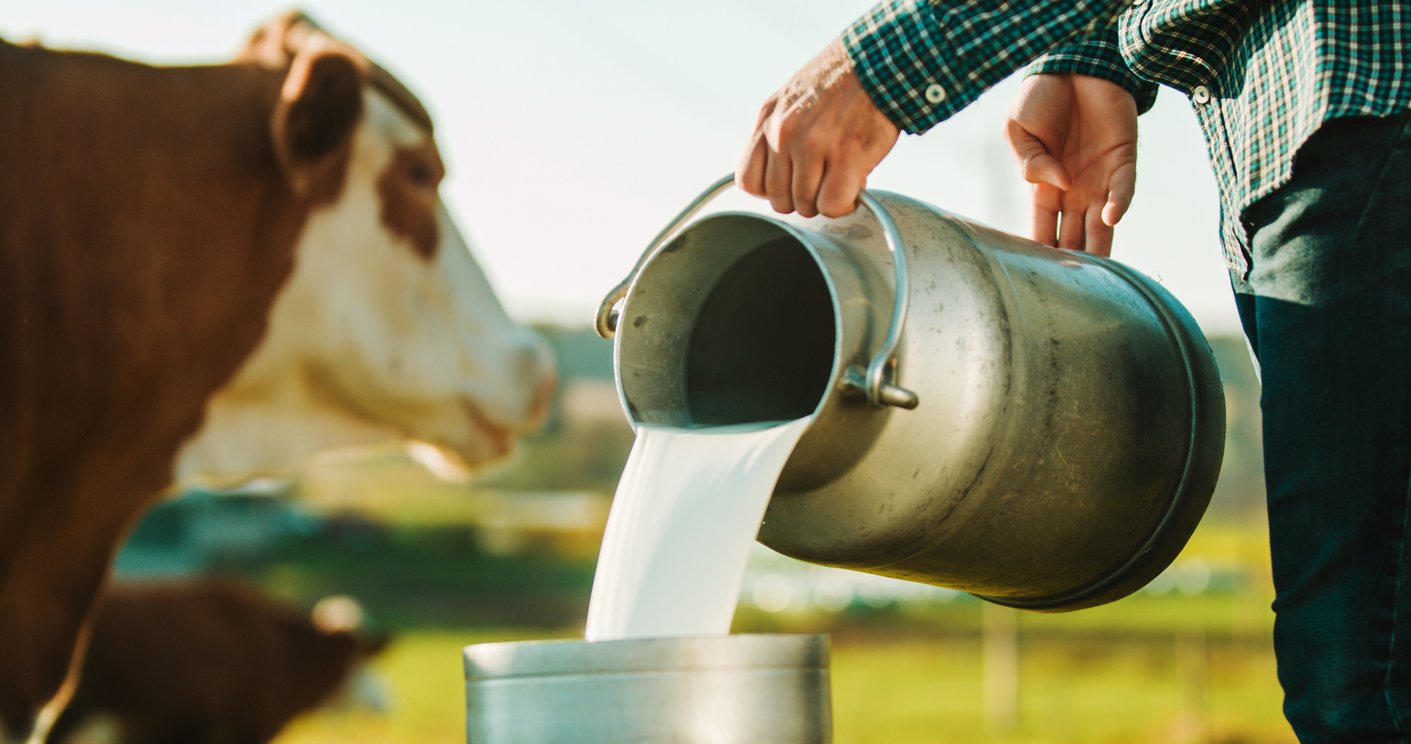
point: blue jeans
(1327, 310)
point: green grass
(915, 691)
(1146, 670)
(920, 691)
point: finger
(838, 193)
(807, 179)
(1044, 226)
(843, 180)
(1070, 230)
(749, 176)
(766, 110)
(1098, 234)
(778, 181)
(1120, 189)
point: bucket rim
(578, 657)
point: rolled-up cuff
(923, 60)
(1097, 58)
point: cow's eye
(421, 174)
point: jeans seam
(1382, 175)
(1397, 716)
(1398, 586)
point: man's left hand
(1075, 138)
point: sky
(575, 129)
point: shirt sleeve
(923, 60)
(1098, 56)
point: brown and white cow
(207, 662)
(216, 270)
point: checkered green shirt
(1262, 76)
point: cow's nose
(537, 364)
(536, 359)
(539, 404)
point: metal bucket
(1068, 419)
(737, 689)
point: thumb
(1039, 166)
(1044, 168)
(1120, 189)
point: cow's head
(387, 328)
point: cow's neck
(145, 232)
(289, 420)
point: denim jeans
(1326, 307)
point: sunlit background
(573, 131)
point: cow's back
(203, 661)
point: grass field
(916, 691)
(1149, 669)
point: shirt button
(1136, 2)
(1201, 95)
(935, 93)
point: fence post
(1193, 670)
(999, 648)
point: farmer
(1304, 104)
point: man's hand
(1075, 138)
(816, 140)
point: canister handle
(879, 381)
(606, 322)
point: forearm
(921, 61)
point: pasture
(1169, 667)
(905, 691)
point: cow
(209, 661)
(216, 270)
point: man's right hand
(1075, 138)
(816, 140)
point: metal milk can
(728, 689)
(1039, 427)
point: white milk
(687, 509)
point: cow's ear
(319, 106)
(276, 42)
(372, 643)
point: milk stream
(687, 509)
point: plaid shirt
(1262, 76)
